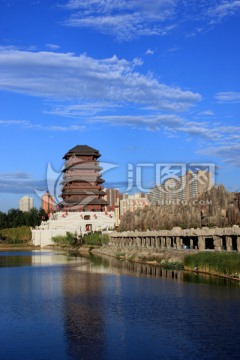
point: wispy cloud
(15, 175)
(229, 153)
(83, 109)
(150, 121)
(149, 52)
(20, 185)
(67, 76)
(52, 46)
(225, 8)
(129, 19)
(28, 125)
(125, 19)
(230, 96)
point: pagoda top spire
(82, 150)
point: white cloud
(28, 125)
(150, 121)
(207, 113)
(128, 19)
(225, 8)
(52, 46)
(125, 19)
(66, 76)
(230, 96)
(83, 109)
(228, 153)
(149, 52)
(7, 123)
(15, 175)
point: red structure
(48, 203)
(81, 185)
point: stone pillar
(229, 243)
(179, 243)
(158, 242)
(201, 243)
(163, 242)
(138, 241)
(147, 242)
(238, 243)
(218, 243)
(168, 242)
(143, 241)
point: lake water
(59, 306)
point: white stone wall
(74, 222)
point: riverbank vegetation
(16, 218)
(96, 238)
(227, 264)
(19, 235)
(93, 239)
(68, 239)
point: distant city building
(133, 202)
(181, 189)
(112, 197)
(48, 203)
(26, 203)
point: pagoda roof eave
(82, 150)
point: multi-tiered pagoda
(81, 185)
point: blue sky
(143, 82)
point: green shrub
(68, 239)
(95, 238)
(118, 255)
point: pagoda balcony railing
(83, 192)
(82, 186)
(76, 160)
(68, 177)
(82, 166)
(77, 172)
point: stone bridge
(218, 239)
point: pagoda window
(86, 217)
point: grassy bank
(19, 235)
(226, 264)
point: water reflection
(36, 258)
(110, 265)
(83, 315)
(88, 307)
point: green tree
(15, 218)
(3, 220)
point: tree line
(16, 218)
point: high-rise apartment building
(177, 190)
(26, 203)
(48, 203)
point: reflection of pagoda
(82, 190)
